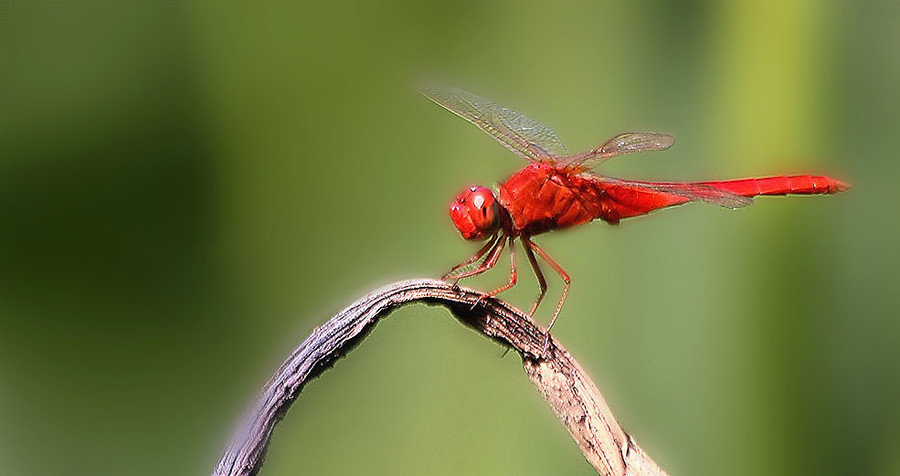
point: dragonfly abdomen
(781, 185)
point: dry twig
(562, 382)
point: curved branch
(562, 382)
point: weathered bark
(562, 382)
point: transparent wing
(524, 136)
(635, 142)
(690, 191)
(626, 143)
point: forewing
(691, 191)
(626, 143)
(524, 136)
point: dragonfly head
(475, 213)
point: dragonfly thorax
(475, 213)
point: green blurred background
(188, 188)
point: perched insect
(556, 191)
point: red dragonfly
(555, 190)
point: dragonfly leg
(493, 255)
(477, 256)
(527, 244)
(513, 275)
(563, 275)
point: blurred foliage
(188, 188)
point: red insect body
(543, 197)
(555, 191)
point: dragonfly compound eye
(475, 212)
